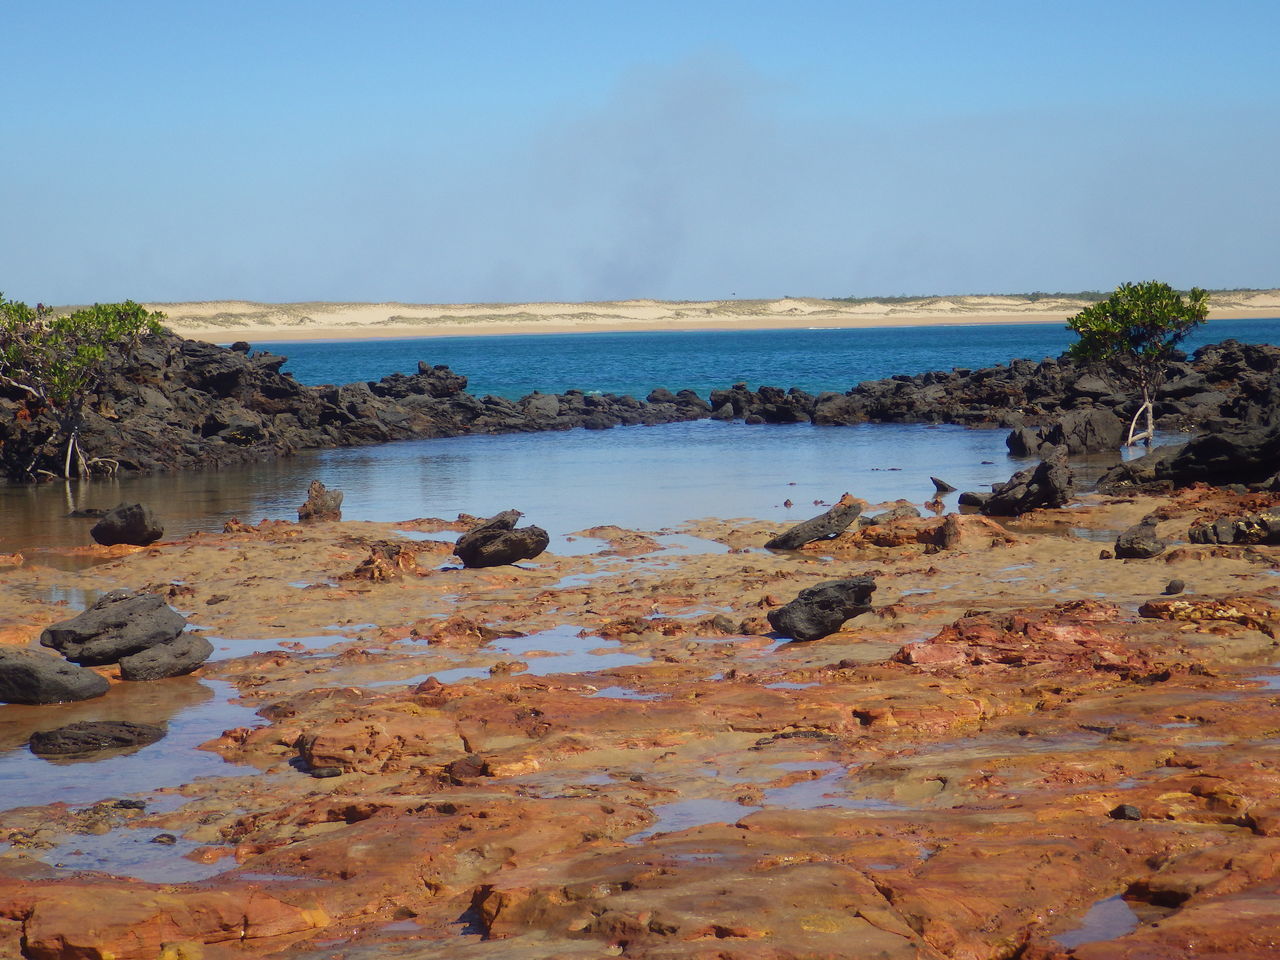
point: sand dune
(226, 320)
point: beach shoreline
(229, 321)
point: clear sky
(509, 151)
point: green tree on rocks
(1134, 333)
(58, 361)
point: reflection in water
(639, 477)
(195, 711)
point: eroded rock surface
(607, 754)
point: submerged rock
(819, 611)
(497, 541)
(118, 625)
(130, 523)
(34, 677)
(93, 736)
(825, 526)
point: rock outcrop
(35, 677)
(130, 523)
(825, 526)
(819, 611)
(321, 504)
(498, 541)
(181, 404)
(1047, 484)
(118, 625)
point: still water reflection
(643, 477)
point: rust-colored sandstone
(606, 755)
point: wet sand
(224, 321)
(607, 754)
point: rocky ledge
(1013, 747)
(183, 404)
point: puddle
(130, 852)
(574, 580)
(625, 693)
(225, 648)
(76, 599)
(194, 711)
(568, 652)
(308, 584)
(1269, 681)
(1107, 919)
(788, 685)
(696, 812)
(689, 544)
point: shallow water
(647, 478)
(194, 711)
(1107, 919)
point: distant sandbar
(228, 320)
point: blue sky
(508, 151)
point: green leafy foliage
(1136, 329)
(1134, 333)
(58, 360)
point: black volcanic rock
(497, 541)
(821, 610)
(36, 677)
(119, 624)
(825, 526)
(130, 523)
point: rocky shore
(180, 404)
(614, 754)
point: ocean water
(635, 363)
(642, 477)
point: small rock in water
(322, 504)
(942, 486)
(167, 839)
(130, 523)
(324, 773)
(1173, 587)
(93, 736)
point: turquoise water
(635, 363)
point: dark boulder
(118, 625)
(1139, 542)
(130, 523)
(941, 486)
(35, 677)
(1090, 430)
(904, 511)
(322, 504)
(825, 526)
(175, 658)
(1047, 484)
(497, 541)
(93, 736)
(821, 610)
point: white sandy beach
(227, 320)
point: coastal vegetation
(58, 360)
(1134, 333)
